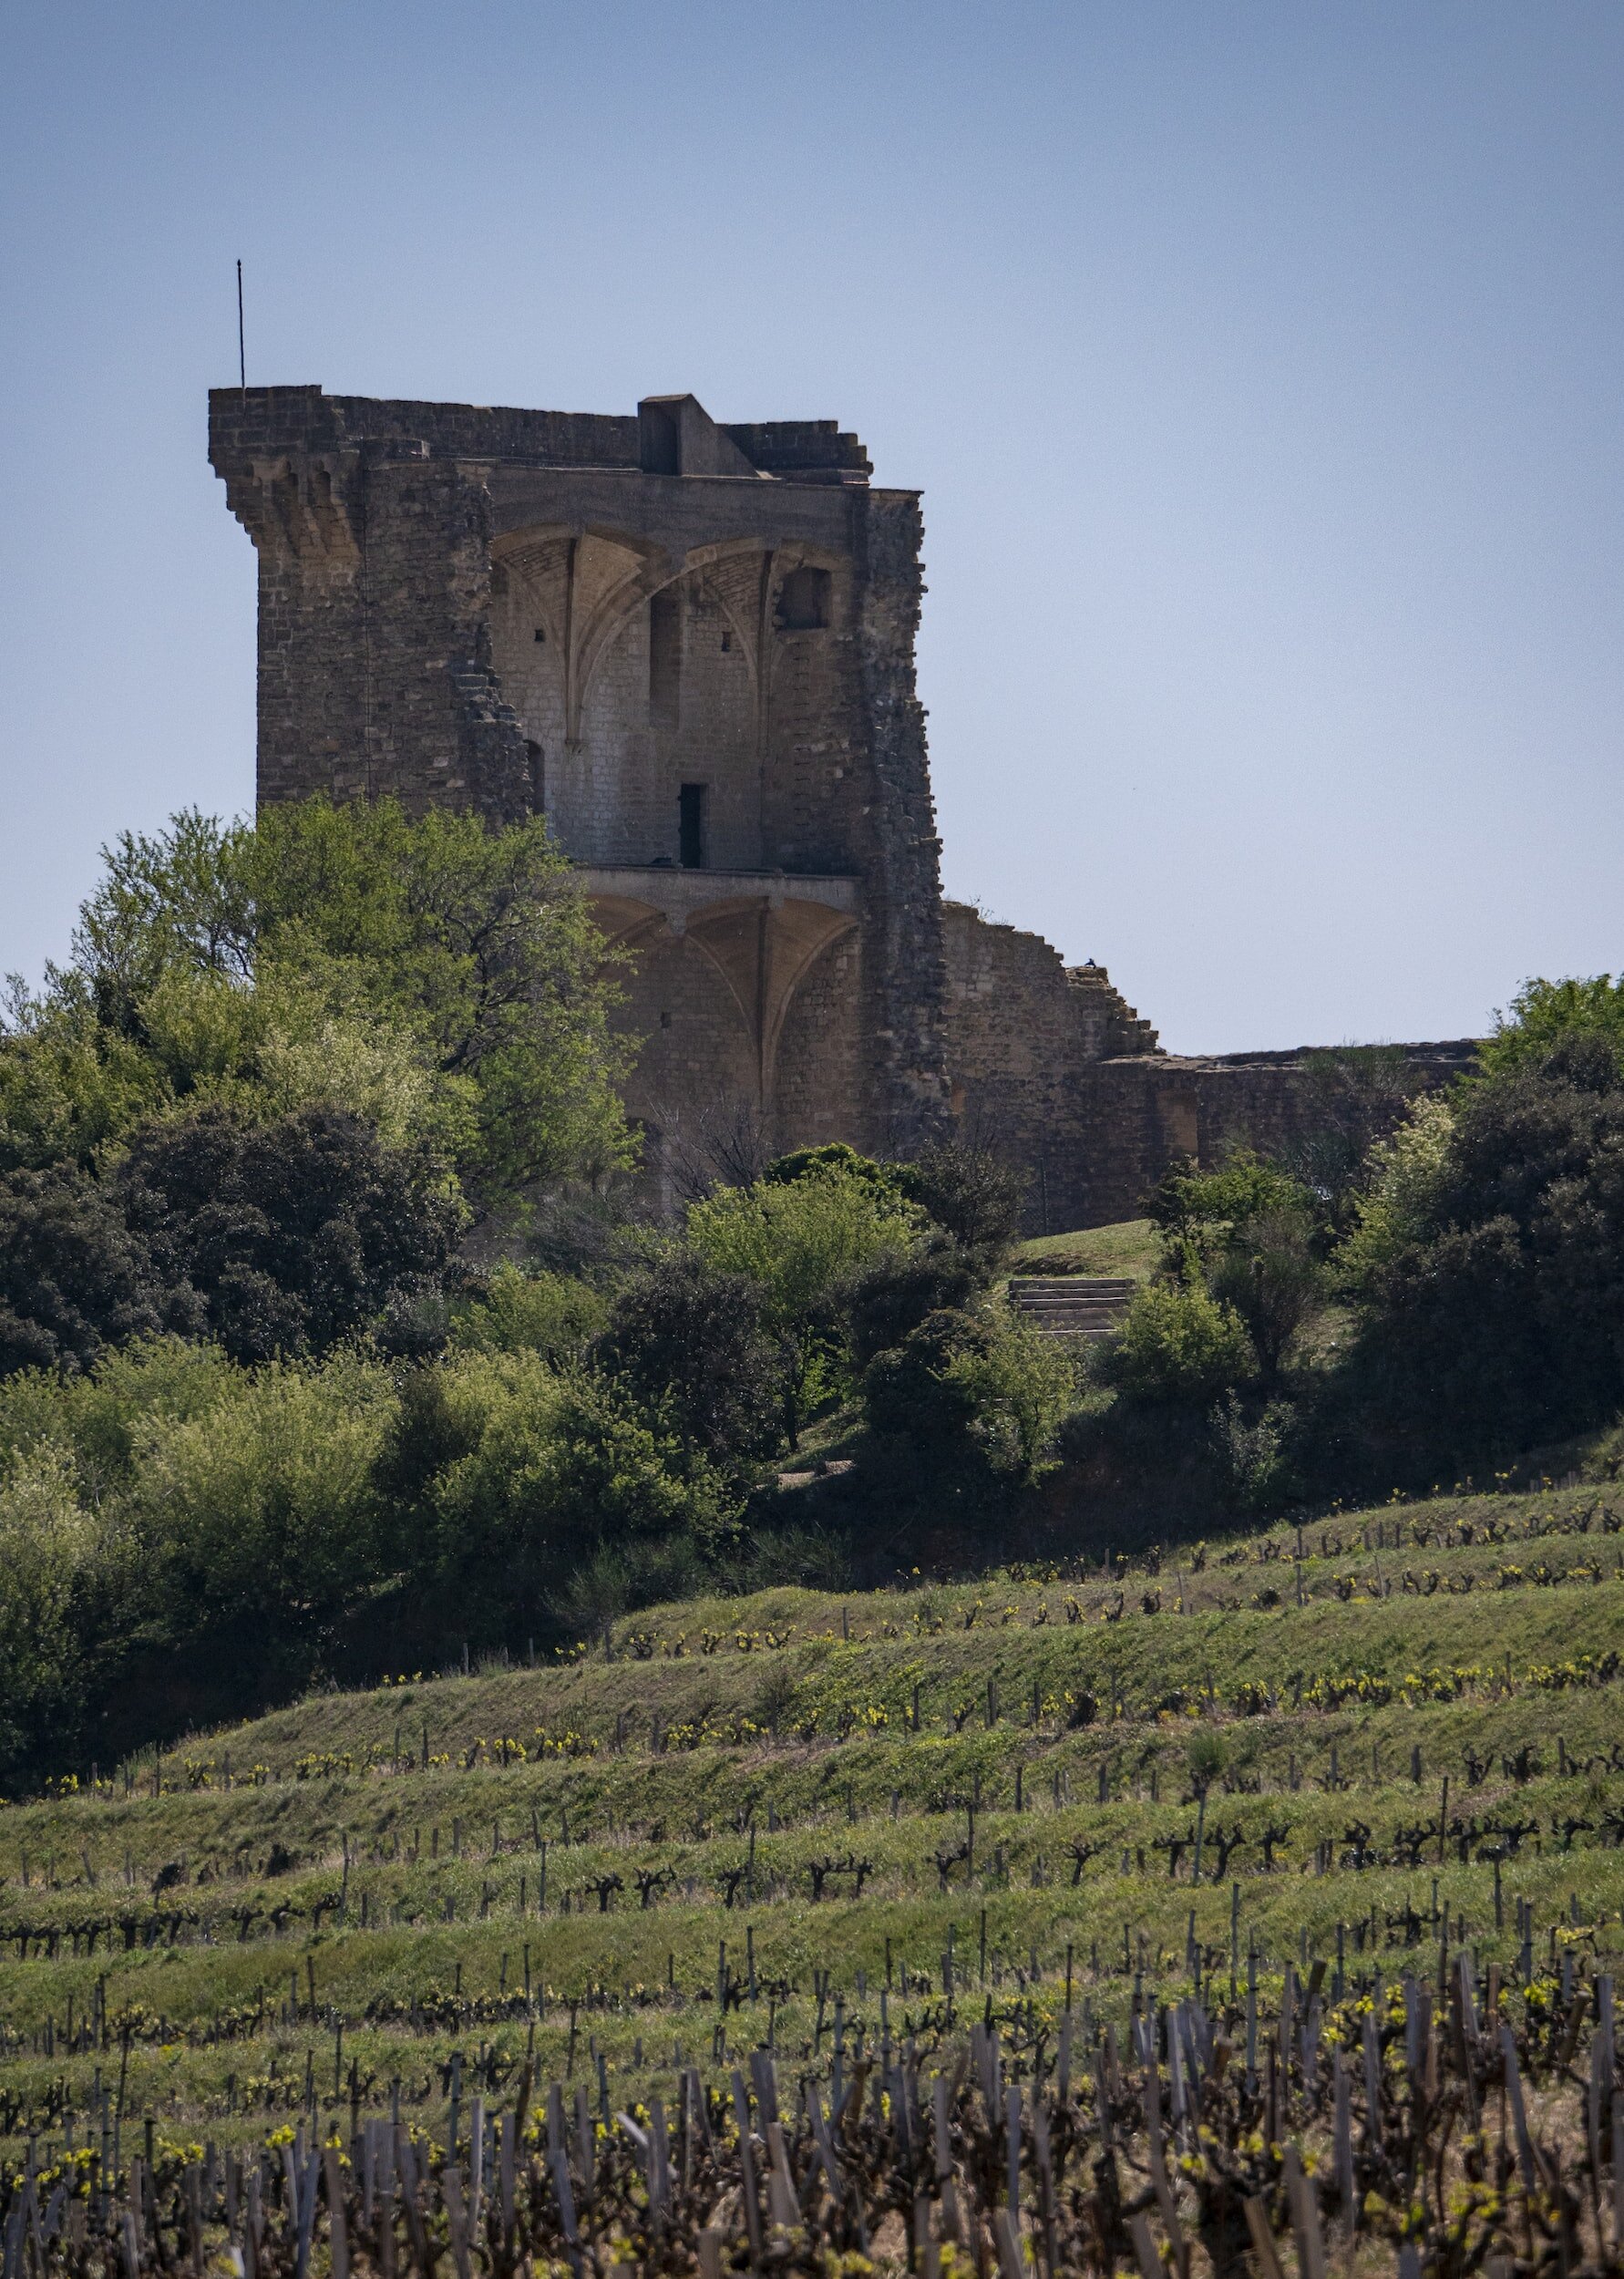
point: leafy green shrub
(1404, 1180)
(975, 1197)
(73, 1278)
(1255, 1453)
(1544, 1014)
(800, 1241)
(1270, 1274)
(553, 1314)
(798, 1558)
(885, 1301)
(690, 1341)
(104, 1420)
(907, 1391)
(1178, 1344)
(1018, 1386)
(985, 1386)
(836, 1159)
(616, 1580)
(541, 1473)
(1488, 1272)
(261, 1515)
(1198, 1210)
(58, 1558)
(291, 1234)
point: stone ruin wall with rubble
(692, 647)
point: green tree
(481, 940)
(1488, 1268)
(1271, 1272)
(73, 1278)
(799, 1241)
(286, 1236)
(689, 1341)
(1019, 1387)
(1404, 1178)
(1177, 1345)
(556, 1315)
(885, 1300)
(548, 1474)
(975, 1197)
(261, 1522)
(424, 972)
(1198, 1212)
(1545, 1014)
(58, 1558)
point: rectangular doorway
(691, 826)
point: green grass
(1132, 1247)
(1469, 1628)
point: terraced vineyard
(816, 1826)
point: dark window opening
(661, 450)
(540, 633)
(691, 826)
(537, 760)
(804, 601)
(726, 643)
(665, 659)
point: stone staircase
(1073, 1305)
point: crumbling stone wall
(1051, 1070)
(597, 617)
(1025, 1035)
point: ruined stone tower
(691, 647)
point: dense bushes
(287, 1487)
(273, 1238)
(690, 1342)
(798, 1239)
(975, 1392)
(73, 1277)
(1479, 1252)
(1488, 1268)
(290, 1235)
(184, 1538)
(1178, 1344)
(262, 1422)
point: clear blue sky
(1260, 366)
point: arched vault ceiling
(761, 945)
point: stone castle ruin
(691, 647)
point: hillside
(839, 1817)
(1129, 1247)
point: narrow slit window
(691, 820)
(665, 660)
(537, 760)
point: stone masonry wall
(904, 978)
(496, 609)
(1052, 1070)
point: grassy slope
(1132, 1247)
(444, 1887)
